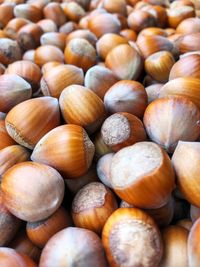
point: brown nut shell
(175, 246)
(30, 120)
(79, 105)
(58, 78)
(89, 252)
(41, 231)
(13, 90)
(184, 86)
(125, 62)
(186, 160)
(99, 79)
(10, 257)
(9, 51)
(81, 53)
(28, 70)
(166, 125)
(122, 129)
(32, 191)
(92, 206)
(126, 96)
(124, 226)
(193, 245)
(9, 224)
(66, 148)
(142, 175)
(11, 155)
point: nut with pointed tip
(177, 15)
(73, 11)
(139, 20)
(186, 67)
(126, 225)
(13, 90)
(104, 23)
(81, 53)
(126, 96)
(35, 198)
(48, 53)
(99, 79)
(190, 25)
(28, 70)
(184, 86)
(159, 13)
(30, 120)
(73, 149)
(9, 51)
(159, 64)
(166, 125)
(189, 43)
(125, 62)
(54, 12)
(81, 106)
(151, 44)
(107, 42)
(58, 78)
(28, 11)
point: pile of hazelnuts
(99, 133)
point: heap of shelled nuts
(99, 133)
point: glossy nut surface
(89, 252)
(80, 106)
(73, 149)
(173, 126)
(35, 198)
(27, 122)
